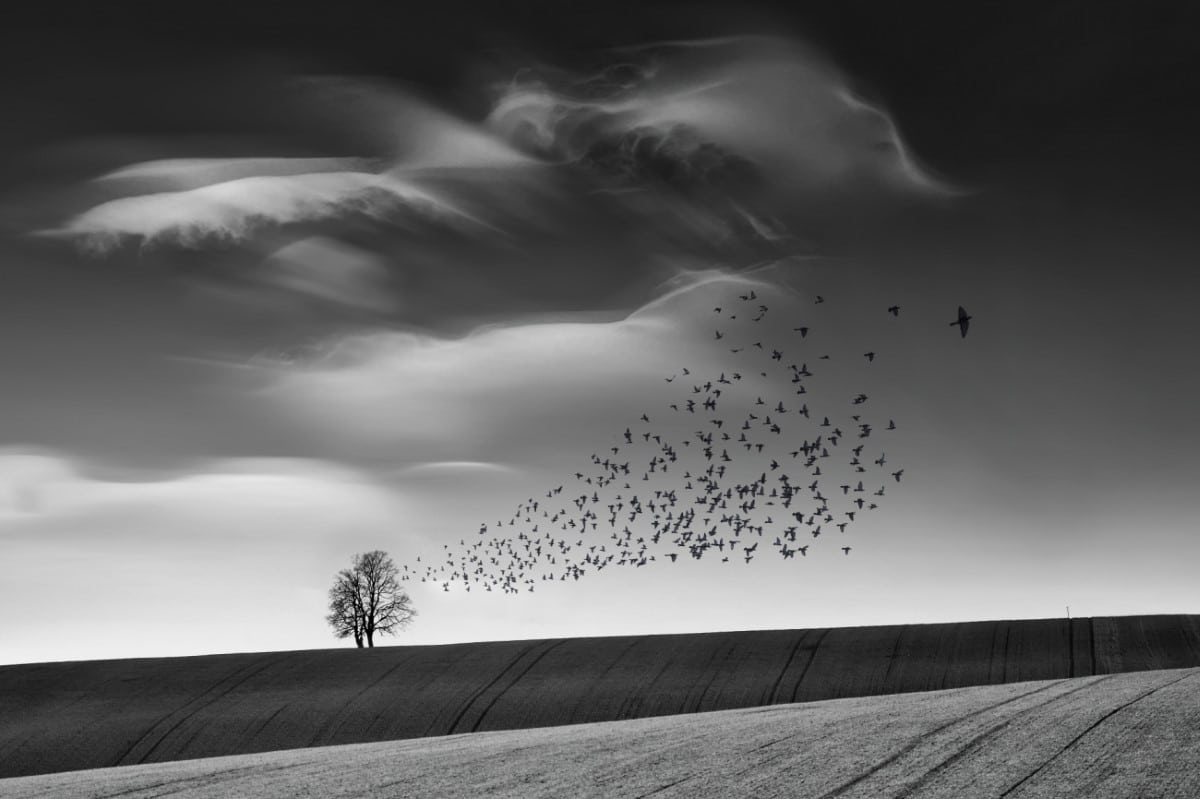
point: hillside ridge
(89, 714)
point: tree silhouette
(367, 599)
(345, 606)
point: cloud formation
(327, 270)
(695, 149)
(529, 389)
(718, 112)
(233, 211)
(183, 174)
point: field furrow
(1134, 734)
(64, 716)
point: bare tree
(367, 599)
(345, 606)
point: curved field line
(462, 711)
(633, 702)
(906, 749)
(515, 680)
(164, 783)
(653, 758)
(758, 764)
(1093, 726)
(662, 788)
(786, 665)
(816, 648)
(188, 741)
(712, 657)
(202, 780)
(975, 741)
(233, 676)
(329, 723)
(208, 703)
(263, 725)
(611, 665)
(892, 658)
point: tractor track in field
(515, 680)
(262, 725)
(331, 723)
(808, 664)
(632, 703)
(238, 677)
(662, 788)
(712, 658)
(600, 678)
(924, 739)
(939, 745)
(787, 664)
(1070, 744)
(891, 661)
(223, 704)
(197, 780)
(977, 740)
(478, 692)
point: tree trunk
(358, 641)
(371, 638)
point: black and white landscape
(593, 320)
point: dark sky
(305, 280)
(974, 85)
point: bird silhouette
(962, 321)
(716, 491)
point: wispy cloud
(520, 387)
(232, 211)
(54, 488)
(181, 174)
(710, 109)
(694, 146)
(327, 270)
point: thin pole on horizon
(1068, 612)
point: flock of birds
(741, 483)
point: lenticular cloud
(233, 210)
(713, 110)
(694, 148)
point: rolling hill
(80, 715)
(1116, 735)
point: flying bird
(894, 310)
(962, 321)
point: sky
(277, 288)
